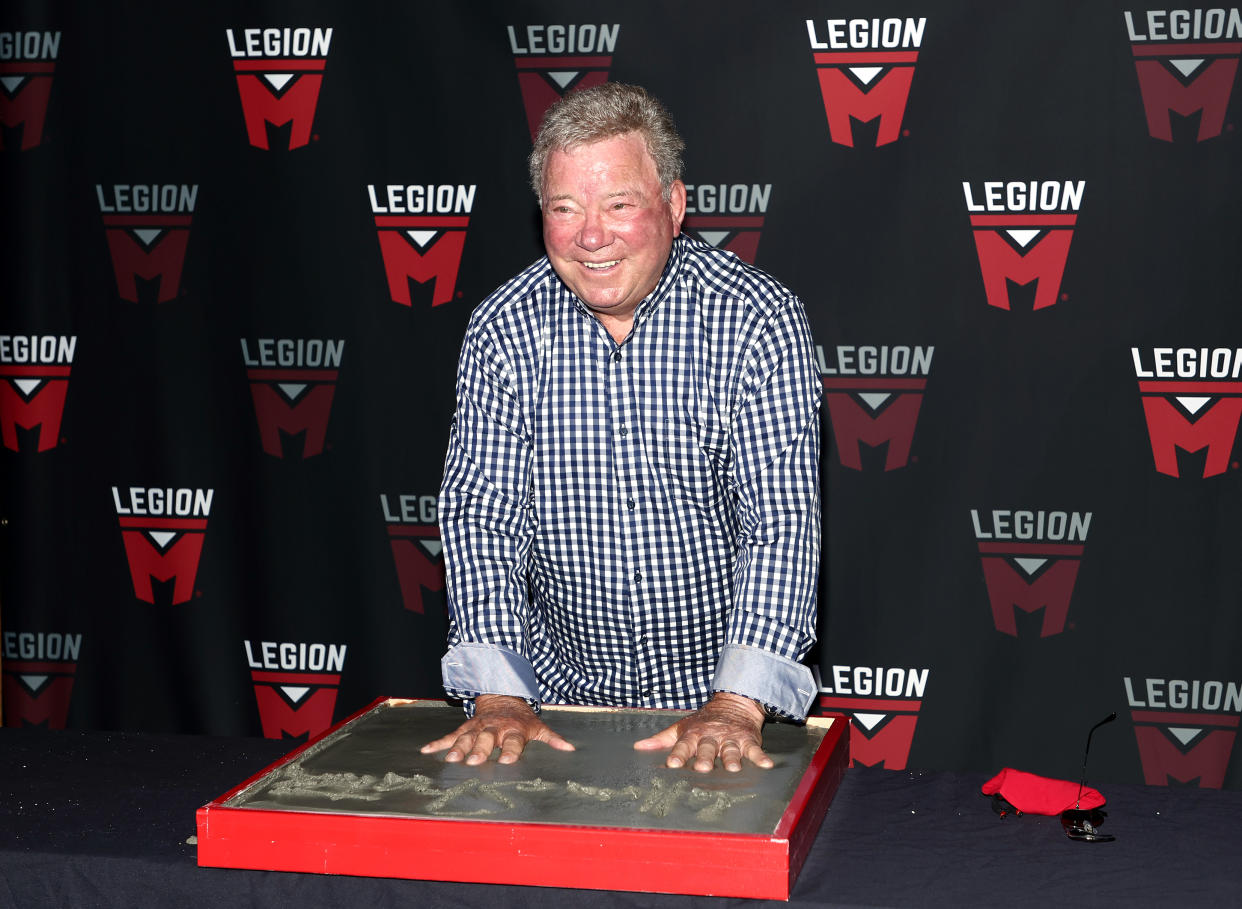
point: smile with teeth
(601, 264)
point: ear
(677, 205)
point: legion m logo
(1184, 728)
(728, 216)
(553, 60)
(417, 551)
(422, 233)
(292, 383)
(1030, 562)
(1187, 62)
(27, 63)
(39, 668)
(279, 72)
(163, 531)
(34, 381)
(1022, 233)
(883, 705)
(865, 68)
(873, 394)
(1192, 400)
(147, 228)
(295, 686)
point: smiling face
(606, 226)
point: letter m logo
(37, 694)
(422, 249)
(854, 89)
(292, 401)
(419, 557)
(166, 549)
(1034, 258)
(24, 92)
(882, 729)
(887, 415)
(295, 705)
(148, 247)
(1192, 416)
(1043, 578)
(32, 396)
(1186, 747)
(1186, 79)
(279, 92)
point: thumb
(665, 738)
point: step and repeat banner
(241, 244)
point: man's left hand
(728, 726)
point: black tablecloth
(104, 819)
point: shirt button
(617, 356)
(638, 576)
(647, 693)
(629, 503)
(624, 431)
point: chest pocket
(692, 459)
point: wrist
(753, 708)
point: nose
(594, 233)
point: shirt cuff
(470, 669)
(779, 684)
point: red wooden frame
(601, 858)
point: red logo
(884, 706)
(422, 232)
(416, 548)
(163, 532)
(552, 60)
(292, 382)
(1192, 399)
(728, 216)
(1030, 562)
(279, 72)
(147, 228)
(873, 396)
(295, 686)
(1184, 67)
(865, 69)
(1189, 735)
(34, 380)
(1029, 241)
(38, 677)
(27, 62)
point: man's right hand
(499, 721)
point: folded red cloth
(1032, 794)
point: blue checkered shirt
(636, 524)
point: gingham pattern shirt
(635, 524)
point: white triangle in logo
(422, 237)
(11, 82)
(27, 385)
(1184, 734)
(1023, 236)
(1193, 403)
(874, 398)
(278, 80)
(295, 692)
(866, 73)
(870, 720)
(713, 237)
(1030, 566)
(34, 682)
(1186, 67)
(148, 234)
(435, 547)
(563, 78)
(162, 537)
(291, 389)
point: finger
(665, 738)
(705, 754)
(548, 737)
(683, 751)
(482, 750)
(461, 747)
(757, 756)
(439, 744)
(731, 756)
(511, 747)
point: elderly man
(630, 506)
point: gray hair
(601, 112)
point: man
(630, 506)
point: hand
(728, 726)
(499, 720)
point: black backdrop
(995, 646)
